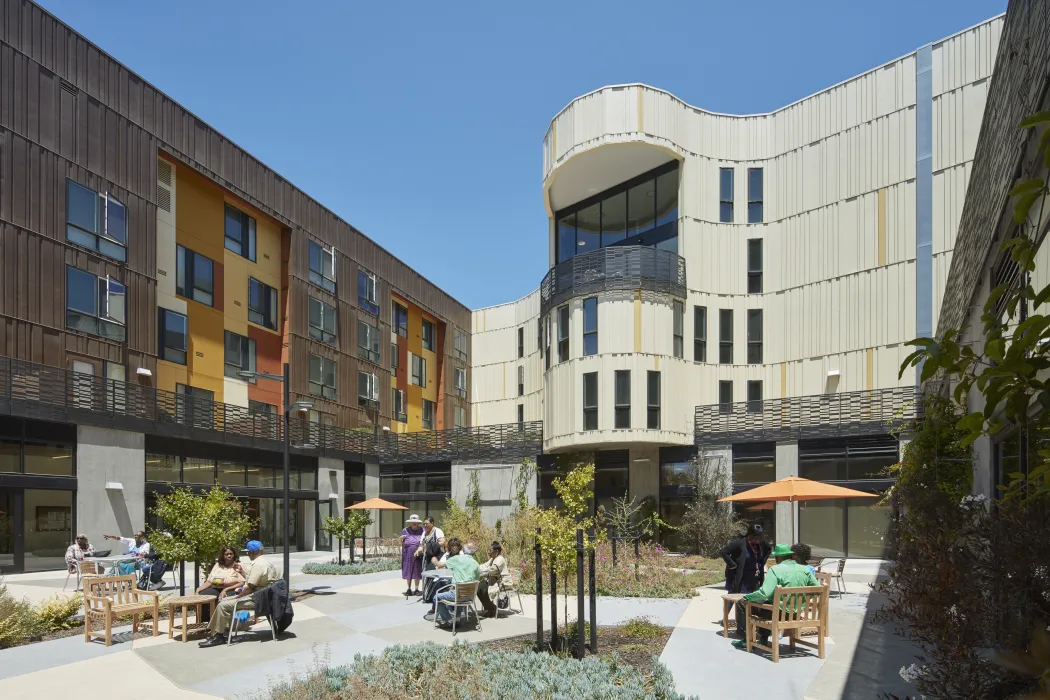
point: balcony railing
(625, 268)
(31, 390)
(804, 417)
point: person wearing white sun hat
(411, 565)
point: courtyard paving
(349, 615)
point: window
(419, 370)
(754, 195)
(547, 342)
(754, 266)
(699, 334)
(97, 221)
(754, 397)
(459, 381)
(428, 335)
(367, 342)
(678, 309)
(590, 326)
(622, 406)
(521, 342)
(322, 321)
(521, 380)
(521, 413)
(322, 376)
(652, 401)
(322, 266)
(640, 211)
(459, 344)
(173, 333)
(459, 417)
(262, 304)
(367, 390)
(368, 292)
(194, 276)
(400, 407)
(590, 401)
(262, 408)
(96, 305)
(428, 414)
(240, 233)
(393, 358)
(754, 336)
(400, 320)
(725, 397)
(725, 196)
(195, 392)
(563, 333)
(539, 336)
(240, 355)
(725, 336)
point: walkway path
(365, 614)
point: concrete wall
(110, 456)
(787, 513)
(496, 484)
(644, 473)
(372, 491)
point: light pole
(287, 409)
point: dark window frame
(754, 265)
(321, 388)
(755, 213)
(162, 337)
(593, 333)
(429, 340)
(725, 203)
(368, 343)
(322, 333)
(399, 320)
(247, 355)
(699, 334)
(521, 380)
(371, 389)
(428, 423)
(417, 378)
(678, 328)
(459, 337)
(248, 229)
(105, 323)
(725, 396)
(725, 336)
(320, 276)
(590, 410)
(652, 404)
(458, 372)
(754, 398)
(521, 342)
(268, 311)
(399, 405)
(98, 237)
(622, 399)
(368, 291)
(186, 270)
(755, 334)
(563, 333)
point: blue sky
(422, 123)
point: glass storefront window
(162, 468)
(588, 229)
(440, 482)
(435, 509)
(868, 526)
(667, 198)
(355, 483)
(391, 522)
(263, 476)
(765, 518)
(55, 460)
(231, 473)
(47, 527)
(10, 456)
(415, 483)
(391, 484)
(607, 480)
(7, 530)
(672, 510)
(870, 466)
(832, 468)
(822, 525)
(754, 471)
(614, 219)
(196, 470)
(308, 481)
(676, 474)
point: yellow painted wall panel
(235, 290)
(206, 349)
(169, 374)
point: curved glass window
(641, 211)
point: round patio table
(185, 602)
(113, 562)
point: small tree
(631, 520)
(196, 526)
(473, 504)
(355, 521)
(708, 524)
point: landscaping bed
(333, 568)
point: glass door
(11, 537)
(324, 540)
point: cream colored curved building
(814, 240)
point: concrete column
(372, 491)
(331, 477)
(106, 456)
(496, 486)
(309, 524)
(787, 513)
(644, 474)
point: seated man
(464, 570)
(787, 573)
(137, 547)
(258, 576)
(78, 551)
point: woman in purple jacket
(412, 565)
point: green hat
(783, 550)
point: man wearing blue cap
(260, 574)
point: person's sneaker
(408, 592)
(214, 641)
(740, 644)
(156, 586)
(417, 592)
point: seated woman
(492, 572)
(222, 579)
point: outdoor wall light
(114, 486)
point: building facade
(148, 263)
(742, 285)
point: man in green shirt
(786, 573)
(464, 570)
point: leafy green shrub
(471, 671)
(17, 621)
(641, 627)
(58, 612)
(371, 566)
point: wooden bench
(791, 610)
(110, 597)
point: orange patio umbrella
(375, 504)
(794, 489)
